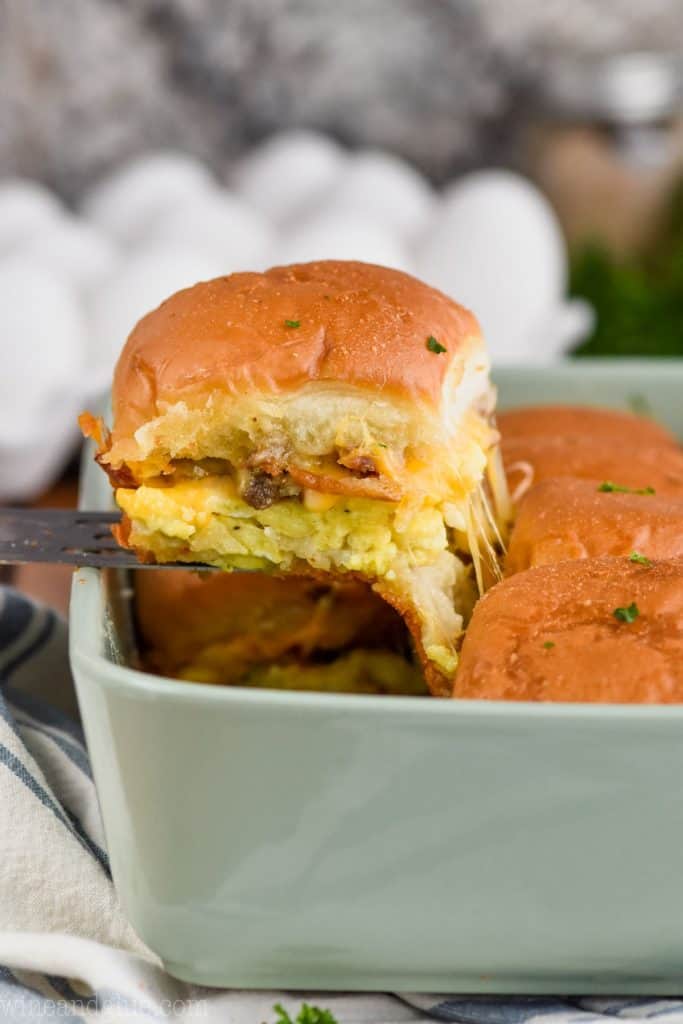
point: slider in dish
(529, 460)
(583, 421)
(564, 519)
(267, 631)
(547, 442)
(606, 630)
(333, 419)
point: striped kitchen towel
(67, 952)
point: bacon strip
(355, 487)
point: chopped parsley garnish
(292, 323)
(307, 1015)
(435, 346)
(639, 559)
(607, 487)
(549, 644)
(628, 614)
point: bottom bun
(251, 629)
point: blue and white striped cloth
(67, 952)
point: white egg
(148, 275)
(71, 248)
(289, 173)
(332, 235)
(387, 190)
(568, 325)
(42, 345)
(223, 226)
(25, 206)
(495, 245)
(127, 200)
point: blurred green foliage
(638, 302)
(307, 1015)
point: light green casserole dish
(268, 839)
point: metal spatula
(67, 536)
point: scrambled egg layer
(359, 671)
(206, 521)
(408, 547)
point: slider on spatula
(331, 419)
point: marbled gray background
(84, 83)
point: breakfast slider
(607, 630)
(274, 632)
(640, 467)
(545, 442)
(330, 418)
(564, 518)
(583, 421)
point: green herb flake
(292, 323)
(607, 487)
(639, 559)
(628, 614)
(435, 346)
(307, 1015)
(548, 645)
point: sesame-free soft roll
(563, 519)
(606, 630)
(565, 441)
(583, 421)
(641, 467)
(326, 418)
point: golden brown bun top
(561, 519)
(591, 655)
(529, 460)
(567, 420)
(359, 324)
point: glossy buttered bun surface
(599, 630)
(565, 518)
(530, 460)
(293, 355)
(583, 421)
